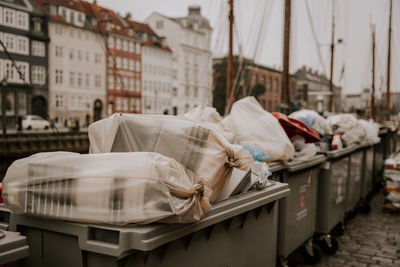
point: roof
(141, 28)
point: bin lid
(333, 154)
(150, 236)
(276, 166)
(297, 165)
(12, 247)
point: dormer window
(37, 25)
(160, 24)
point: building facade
(77, 64)
(123, 53)
(263, 82)
(189, 38)
(314, 91)
(157, 72)
(23, 73)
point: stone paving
(369, 240)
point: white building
(77, 85)
(190, 40)
(157, 71)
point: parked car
(34, 122)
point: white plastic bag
(253, 125)
(210, 115)
(113, 188)
(197, 146)
(372, 131)
(352, 131)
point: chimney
(194, 10)
(95, 2)
(128, 15)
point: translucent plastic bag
(372, 131)
(113, 188)
(253, 125)
(347, 124)
(197, 146)
(210, 115)
(312, 120)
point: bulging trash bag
(372, 131)
(113, 188)
(312, 120)
(210, 115)
(347, 125)
(253, 125)
(197, 146)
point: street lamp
(3, 105)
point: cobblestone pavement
(369, 240)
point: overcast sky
(259, 25)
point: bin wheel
(365, 208)
(339, 229)
(329, 245)
(312, 253)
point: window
(137, 104)
(125, 85)
(79, 55)
(38, 75)
(97, 81)
(160, 24)
(137, 65)
(24, 69)
(111, 42)
(110, 61)
(37, 26)
(270, 86)
(10, 42)
(118, 85)
(125, 63)
(195, 91)
(131, 85)
(138, 48)
(59, 101)
(58, 29)
(125, 45)
(118, 103)
(71, 53)
(118, 62)
(22, 20)
(125, 102)
(80, 17)
(79, 79)
(22, 103)
(276, 85)
(59, 76)
(22, 45)
(87, 56)
(87, 79)
(187, 90)
(9, 104)
(118, 43)
(9, 16)
(59, 51)
(110, 82)
(38, 49)
(131, 47)
(132, 104)
(97, 58)
(72, 78)
(9, 70)
(138, 85)
(131, 64)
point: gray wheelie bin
(13, 247)
(278, 170)
(332, 192)
(354, 179)
(239, 231)
(297, 212)
(379, 157)
(366, 177)
(4, 217)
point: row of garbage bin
(302, 204)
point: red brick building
(250, 75)
(123, 53)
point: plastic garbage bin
(379, 157)
(366, 177)
(13, 247)
(354, 179)
(332, 192)
(239, 231)
(4, 217)
(297, 212)
(278, 170)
